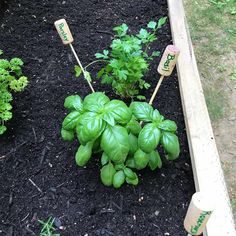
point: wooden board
(208, 174)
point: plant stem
(94, 62)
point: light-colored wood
(168, 60)
(64, 31)
(156, 90)
(199, 212)
(208, 174)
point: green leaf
(107, 173)
(5, 115)
(100, 73)
(142, 110)
(121, 30)
(16, 62)
(78, 71)
(149, 138)
(157, 117)
(95, 101)
(67, 135)
(109, 118)
(141, 97)
(73, 102)
(119, 110)
(1, 52)
(143, 34)
(71, 120)
(132, 181)
(130, 162)
(119, 166)
(154, 160)
(91, 129)
(168, 125)
(161, 22)
(129, 173)
(115, 142)
(87, 76)
(156, 54)
(134, 127)
(118, 179)
(133, 143)
(105, 52)
(104, 159)
(83, 154)
(152, 25)
(3, 129)
(170, 144)
(100, 55)
(141, 159)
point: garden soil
(38, 175)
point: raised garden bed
(33, 150)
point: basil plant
(113, 129)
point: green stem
(94, 62)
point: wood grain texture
(208, 174)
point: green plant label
(63, 34)
(167, 62)
(200, 221)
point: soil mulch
(32, 149)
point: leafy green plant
(128, 60)
(113, 129)
(47, 228)
(11, 79)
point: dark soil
(32, 147)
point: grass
(213, 30)
(47, 228)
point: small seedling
(47, 228)
(11, 79)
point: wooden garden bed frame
(208, 174)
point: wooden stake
(156, 89)
(67, 38)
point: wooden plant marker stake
(67, 38)
(166, 66)
(199, 212)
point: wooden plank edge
(208, 174)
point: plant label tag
(168, 60)
(64, 31)
(199, 212)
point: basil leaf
(115, 142)
(133, 143)
(71, 120)
(134, 127)
(132, 181)
(170, 144)
(129, 173)
(95, 101)
(120, 166)
(118, 179)
(109, 119)
(140, 159)
(83, 154)
(104, 159)
(168, 125)
(67, 135)
(119, 111)
(154, 160)
(149, 138)
(142, 110)
(107, 173)
(90, 130)
(73, 102)
(130, 162)
(156, 116)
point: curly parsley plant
(11, 80)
